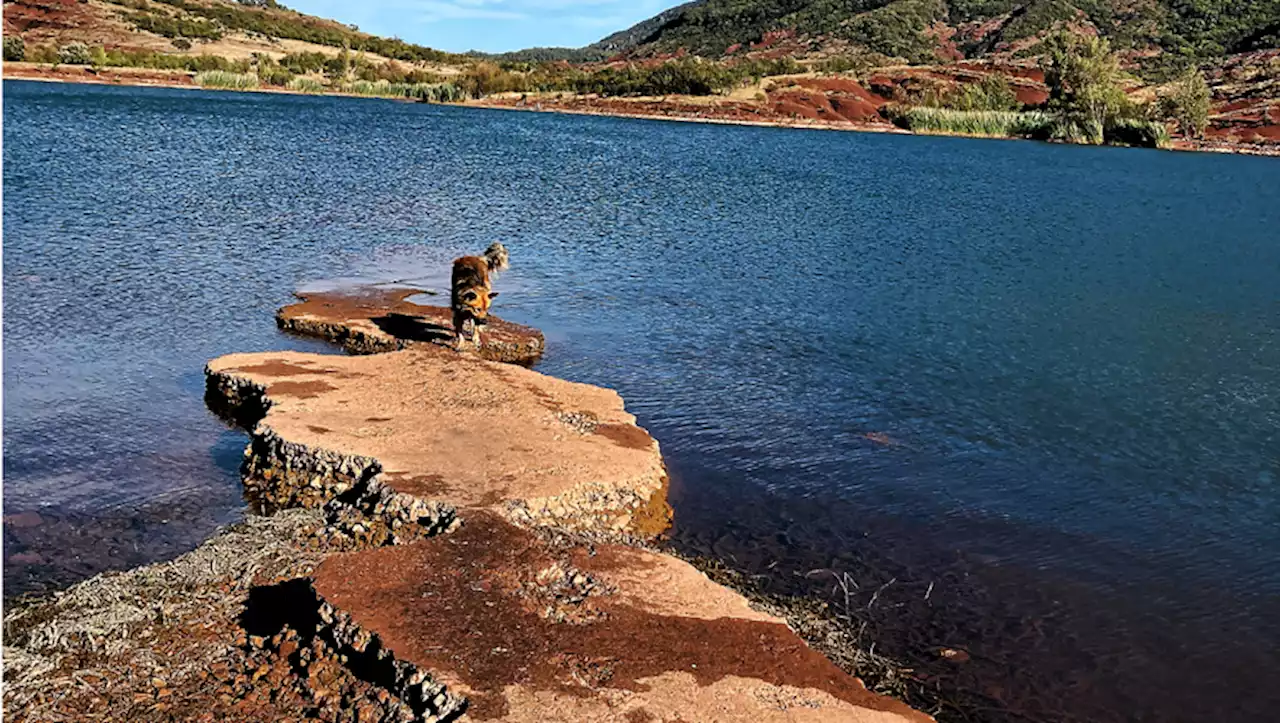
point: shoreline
(139, 76)
(1177, 145)
(388, 576)
(789, 125)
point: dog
(471, 294)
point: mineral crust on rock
(525, 629)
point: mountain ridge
(928, 31)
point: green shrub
(859, 63)
(993, 92)
(14, 48)
(687, 76)
(1074, 130)
(175, 26)
(897, 29)
(755, 69)
(181, 43)
(275, 75)
(74, 54)
(1137, 132)
(303, 63)
(165, 61)
(42, 54)
(227, 80)
(1186, 103)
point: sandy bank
(460, 538)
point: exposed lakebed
(1026, 396)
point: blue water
(1045, 378)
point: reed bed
(431, 92)
(305, 85)
(227, 80)
(1028, 124)
(988, 123)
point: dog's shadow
(413, 328)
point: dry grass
(95, 628)
(837, 630)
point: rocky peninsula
(446, 536)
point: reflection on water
(1036, 383)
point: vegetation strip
(1154, 76)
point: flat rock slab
(457, 429)
(370, 320)
(530, 630)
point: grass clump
(227, 80)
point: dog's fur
(471, 295)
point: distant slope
(642, 32)
(214, 27)
(621, 41)
(925, 30)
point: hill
(222, 28)
(922, 31)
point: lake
(1025, 396)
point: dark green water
(1035, 387)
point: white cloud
(433, 10)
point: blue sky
(488, 25)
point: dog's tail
(496, 257)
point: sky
(488, 25)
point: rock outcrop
(437, 428)
(475, 544)
(527, 629)
(372, 320)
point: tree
(339, 66)
(1186, 102)
(993, 92)
(1084, 77)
